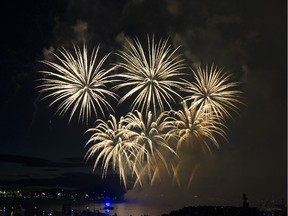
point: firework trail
(135, 147)
(78, 83)
(213, 92)
(196, 130)
(152, 77)
(111, 143)
(195, 126)
(153, 135)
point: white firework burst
(213, 91)
(152, 77)
(111, 143)
(196, 131)
(153, 135)
(194, 126)
(78, 83)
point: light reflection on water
(121, 209)
(127, 209)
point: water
(56, 207)
(137, 209)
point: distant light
(107, 204)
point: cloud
(24, 176)
(73, 180)
(221, 19)
(80, 26)
(173, 7)
(47, 52)
(38, 162)
(74, 159)
(49, 170)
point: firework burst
(111, 143)
(194, 126)
(196, 131)
(213, 92)
(148, 142)
(153, 135)
(151, 76)
(78, 83)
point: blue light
(107, 204)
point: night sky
(248, 38)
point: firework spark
(135, 146)
(194, 126)
(196, 131)
(152, 77)
(112, 141)
(78, 83)
(153, 136)
(148, 142)
(213, 91)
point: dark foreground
(10, 207)
(225, 211)
(187, 211)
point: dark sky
(247, 38)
